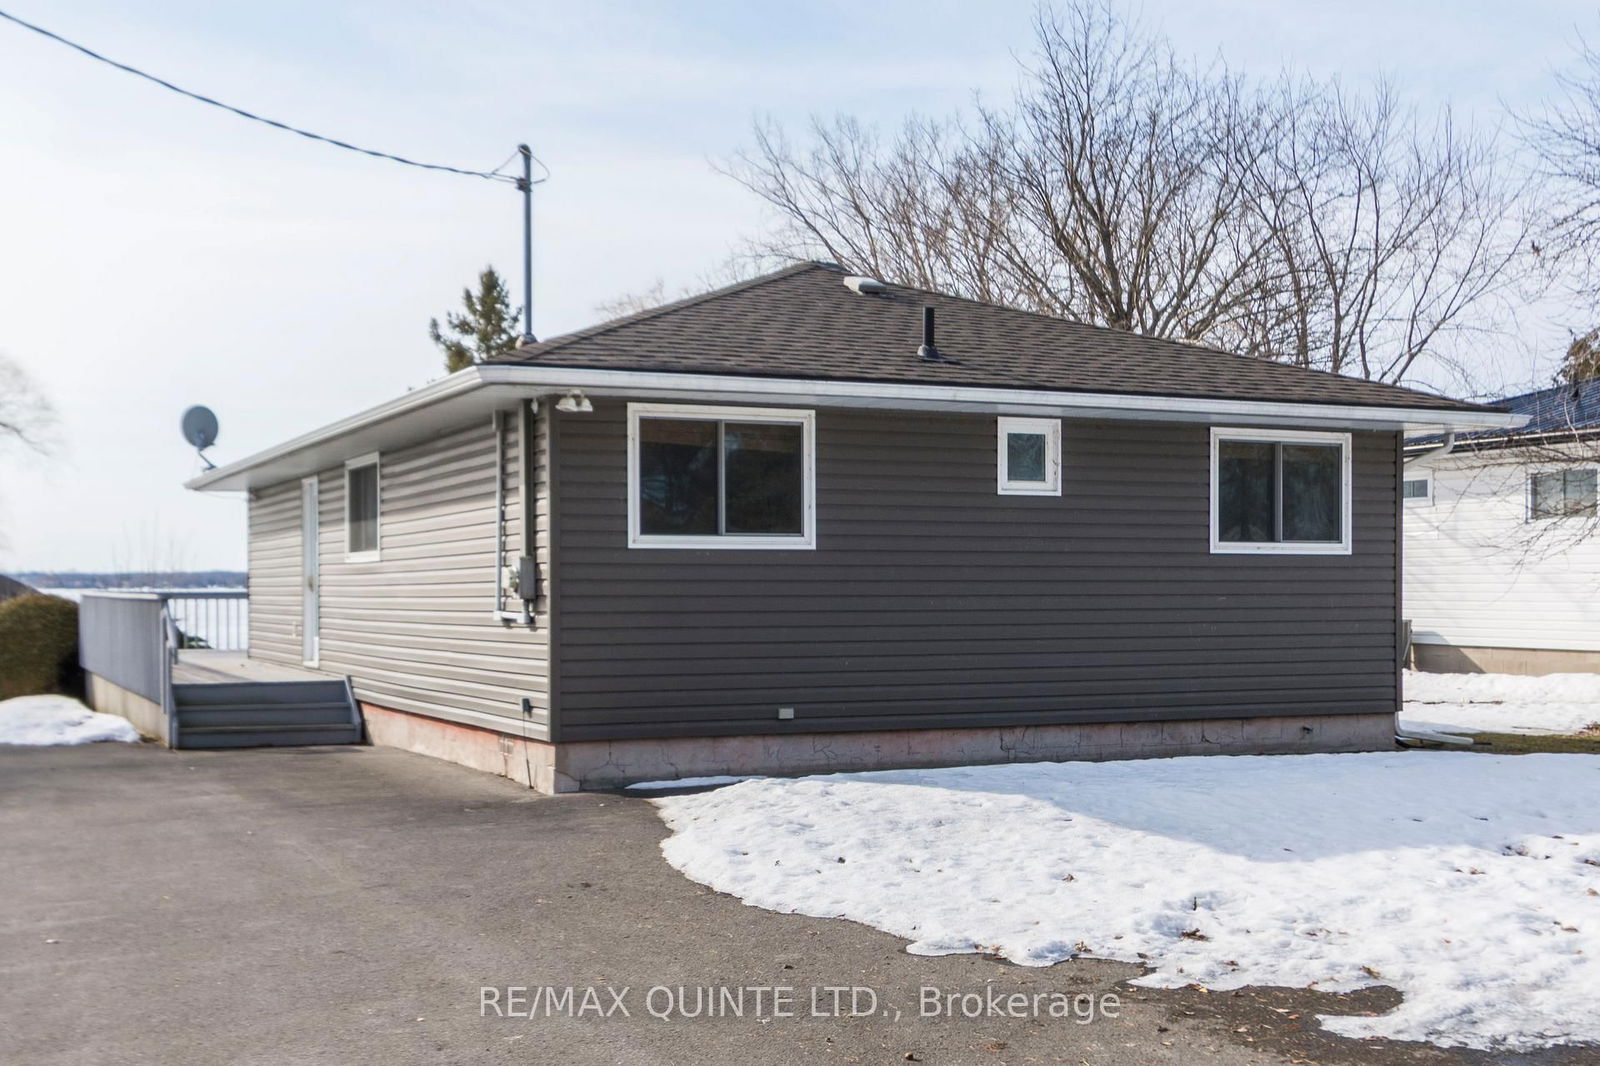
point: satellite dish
(200, 430)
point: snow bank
(44, 720)
(1467, 881)
(1501, 703)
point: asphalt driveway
(350, 905)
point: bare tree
(26, 415)
(1126, 188)
(147, 554)
(1395, 237)
(1565, 138)
(630, 303)
(737, 267)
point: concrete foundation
(1450, 659)
(527, 762)
(145, 714)
(610, 764)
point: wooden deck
(198, 667)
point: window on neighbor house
(720, 477)
(1417, 490)
(361, 509)
(1280, 491)
(1030, 457)
(1561, 493)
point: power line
(490, 175)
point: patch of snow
(1469, 882)
(687, 782)
(49, 720)
(1500, 703)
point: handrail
(122, 640)
(132, 638)
(163, 594)
(214, 619)
(170, 640)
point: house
(1502, 548)
(817, 522)
(11, 588)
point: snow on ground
(685, 782)
(1500, 703)
(41, 720)
(1469, 882)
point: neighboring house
(11, 588)
(1502, 549)
(785, 527)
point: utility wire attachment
(490, 175)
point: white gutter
(628, 382)
(501, 382)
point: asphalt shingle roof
(1559, 409)
(804, 323)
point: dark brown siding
(932, 601)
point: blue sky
(156, 253)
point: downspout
(1439, 452)
(497, 423)
(1415, 738)
(524, 615)
(527, 491)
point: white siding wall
(275, 573)
(1479, 574)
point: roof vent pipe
(928, 351)
(863, 286)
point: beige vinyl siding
(274, 567)
(415, 630)
(931, 600)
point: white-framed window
(1029, 456)
(1280, 491)
(361, 530)
(1567, 493)
(1417, 490)
(721, 477)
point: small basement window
(361, 509)
(1417, 490)
(1280, 491)
(720, 477)
(1030, 456)
(1562, 493)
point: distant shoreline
(46, 580)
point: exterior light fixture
(575, 402)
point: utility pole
(525, 186)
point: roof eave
(478, 389)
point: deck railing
(218, 619)
(122, 637)
(132, 639)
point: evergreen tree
(1583, 359)
(487, 329)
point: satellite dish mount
(200, 430)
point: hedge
(38, 646)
